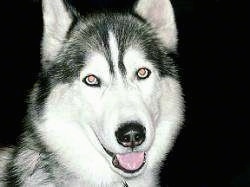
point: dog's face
(114, 103)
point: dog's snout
(131, 135)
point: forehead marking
(113, 46)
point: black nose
(130, 134)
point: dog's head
(108, 98)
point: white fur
(78, 120)
(65, 136)
(113, 48)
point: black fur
(128, 30)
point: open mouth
(128, 162)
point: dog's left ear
(160, 14)
(57, 19)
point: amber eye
(143, 73)
(91, 80)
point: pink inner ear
(159, 13)
(156, 13)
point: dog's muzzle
(129, 135)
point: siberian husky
(108, 103)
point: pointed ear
(160, 14)
(57, 20)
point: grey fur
(30, 163)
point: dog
(108, 103)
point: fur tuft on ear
(160, 14)
(57, 18)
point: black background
(212, 149)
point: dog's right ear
(57, 19)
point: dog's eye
(92, 80)
(143, 73)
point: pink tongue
(131, 161)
